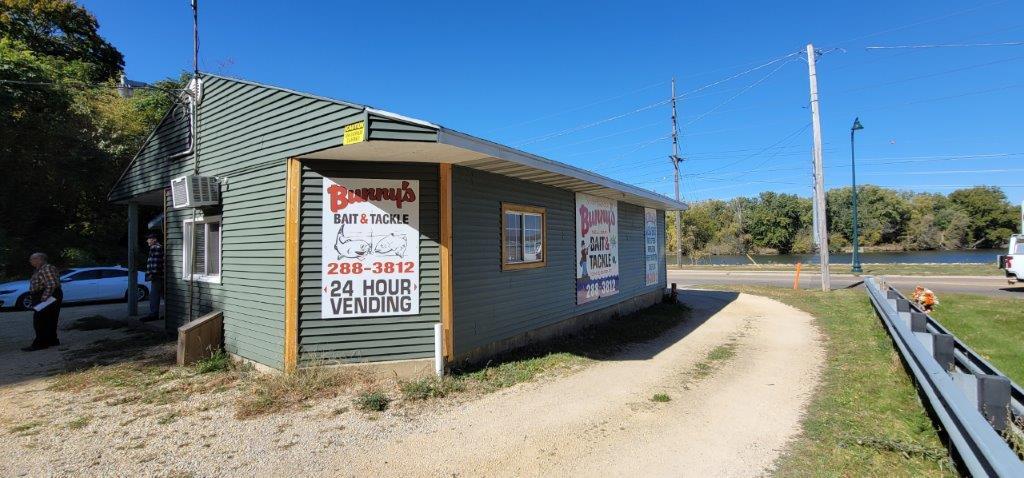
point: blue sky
(586, 82)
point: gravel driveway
(730, 419)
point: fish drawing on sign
(350, 248)
(391, 245)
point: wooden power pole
(675, 164)
(820, 226)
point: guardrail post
(918, 322)
(994, 400)
(902, 306)
(942, 350)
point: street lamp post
(853, 170)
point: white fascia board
(494, 150)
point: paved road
(991, 286)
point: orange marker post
(796, 280)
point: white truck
(1013, 261)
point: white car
(80, 284)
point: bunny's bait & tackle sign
(597, 248)
(371, 248)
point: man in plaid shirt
(155, 276)
(44, 284)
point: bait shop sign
(371, 248)
(651, 245)
(597, 248)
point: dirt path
(729, 419)
(602, 422)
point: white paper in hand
(44, 304)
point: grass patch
(219, 361)
(566, 353)
(276, 392)
(661, 398)
(869, 269)
(372, 400)
(167, 418)
(714, 358)
(866, 418)
(992, 326)
(79, 422)
(132, 375)
(431, 387)
(26, 426)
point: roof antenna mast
(193, 93)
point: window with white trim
(523, 236)
(207, 249)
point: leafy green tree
(61, 29)
(991, 218)
(883, 214)
(935, 223)
(66, 135)
(776, 219)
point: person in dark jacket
(43, 286)
(155, 276)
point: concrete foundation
(565, 327)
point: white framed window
(523, 236)
(207, 249)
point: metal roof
(492, 157)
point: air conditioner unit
(195, 191)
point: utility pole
(820, 226)
(675, 164)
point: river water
(976, 256)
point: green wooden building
(345, 233)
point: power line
(592, 124)
(588, 105)
(921, 22)
(596, 138)
(948, 45)
(930, 75)
(788, 136)
(737, 95)
(884, 161)
(641, 109)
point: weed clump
(273, 393)
(431, 387)
(372, 400)
(219, 361)
(661, 398)
(79, 422)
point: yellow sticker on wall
(354, 133)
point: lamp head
(856, 125)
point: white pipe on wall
(438, 353)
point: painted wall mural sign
(370, 248)
(651, 244)
(597, 248)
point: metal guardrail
(971, 399)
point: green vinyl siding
(247, 132)
(491, 304)
(368, 338)
(383, 128)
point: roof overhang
(467, 151)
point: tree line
(977, 217)
(65, 135)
